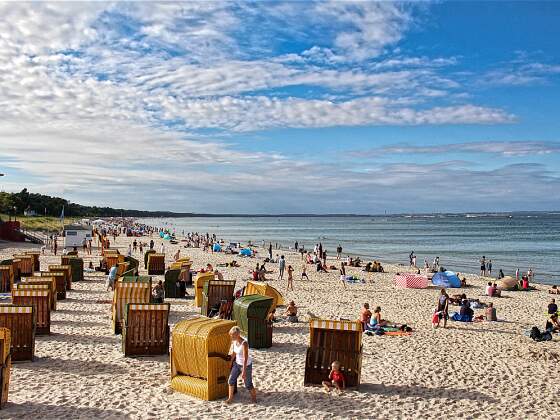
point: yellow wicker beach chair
(264, 289)
(20, 320)
(60, 282)
(199, 281)
(199, 357)
(66, 269)
(41, 302)
(128, 292)
(5, 364)
(145, 329)
(77, 266)
(156, 263)
(214, 292)
(334, 340)
(26, 264)
(50, 281)
(36, 262)
(46, 284)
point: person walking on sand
(290, 278)
(242, 365)
(443, 307)
(270, 250)
(281, 267)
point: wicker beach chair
(251, 314)
(36, 262)
(5, 364)
(146, 256)
(172, 284)
(264, 289)
(60, 282)
(214, 292)
(156, 263)
(330, 341)
(6, 278)
(41, 302)
(125, 293)
(199, 281)
(66, 269)
(47, 284)
(111, 260)
(20, 320)
(26, 264)
(200, 364)
(145, 329)
(77, 267)
(133, 265)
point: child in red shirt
(336, 378)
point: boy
(336, 379)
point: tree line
(44, 205)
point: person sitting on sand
(553, 325)
(376, 321)
(365, 315)
(336, 378)
(158, 292)
(218, 275)
(497, 292)
(489, 291)
(525, 283)
(177, 255)
(291, 312)
(554, 290)
(552, 307)
(368, 268)
(491, 312)
(209, 268)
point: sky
(283, 107)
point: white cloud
(503, 148)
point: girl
(336, 378)
(290, 278)
(242, 365)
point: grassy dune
(41, 223)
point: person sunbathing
(376, 321)
(291, 312)
(553, 324)
(554, 290)
(491, 313)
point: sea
(511, 241)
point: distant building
(74, 235)
(29, 212)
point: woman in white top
(242, 365)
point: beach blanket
(461, 318)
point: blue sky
(275, 107)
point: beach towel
(461, 318)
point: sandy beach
(476, 370)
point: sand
(481, 370)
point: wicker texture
(5, 364)
(145, 329)
(26, 264)
(128, 293)
(6, 278)
(199, 281)
(66, 269)
(60, 281)
(156, 263)
(334, 340)
(214, 292)
(251, 314)
(20, 320)
(41, 302)
(45, 283)
(77, 266)
(264, 289)
(198, 365)
(36, 262)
